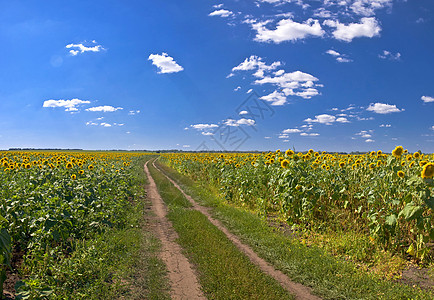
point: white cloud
(333, 52)
(104, 108)
(296, 83)
(389, 55)
(343, 60)
(382, 108)
(322, 119)
(237, 88)
(80, 48)
(224, 13)
(342, 120)
(243, 112)
(369, 141)
(368, 7)
(283, 136)
(276, 98)
(249, 91)
(186, 146)
(256, 63)
(218, 5)
(165, 63)
(134, 112)
(427, 99)
(243, 121)
(105, 125)
(291, 130)
(385, 125)
(69, 105)
(203, 126)
(287, 30)
(368, 27)
(309, 134)
(269, 137)
(432, 127)
(207, 133)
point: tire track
(183, 280)
(298, 290)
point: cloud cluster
(383, 108)
(165, 63)
(287, 30)
(427, 99)
(81, 48)
(368, 27)
(104, 108)
(69, 105)
(389, 55)
(342, 58)
(295, 83)
(326, 119)
(224, 13)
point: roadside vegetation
(330, 276)
(74, 227)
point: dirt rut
(298, 290)
(183, 280)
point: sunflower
(289, 152)
(379, 152)
(400, 174)
(284, 163)
(81, 172)
(416, 154)
(73, 177)
(411, 164)
(397, 152)
(428, 170)
(342, 164)
(371, 166)
(90, 167)
(422, 163)
(69, 165)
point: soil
(182, 277)
(417, 277)
(12, 276)
(298, 290)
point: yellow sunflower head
(428, 170)
(400, 174)
(69, 165)
(73, 177)
(397, 152)
(289, 152)
(284, 163)
(416, 154)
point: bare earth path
(298, 290)
(183, 281)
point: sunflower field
(51, 200)
(387, 197)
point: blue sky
(334, 75)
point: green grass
(330, 277)
(119, 263)
(224, 272)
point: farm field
(375, 209)
(72, 223)
(68, 220)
